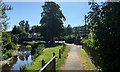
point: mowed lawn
(47, 55)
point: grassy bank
(47, 55)
(88, 63)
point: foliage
(35, 29)
(52, 21)
(22, 30)
(29, 47)
(16, 30)
(69, 30)
(4, 56)
(7, 54)
(91, 42)
(14, 39)
(77, 39)
(7, 45)
(104, 22)
(37, 49)
(3, 16)
(69, 39)
(24, 25)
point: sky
(31, 11)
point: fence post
(59, 54)
(54, 63)
(63, 46)
(53, 54)
(43, 63)
(62, 50)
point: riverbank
(9, 60)
(47, 55)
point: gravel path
(73, 60)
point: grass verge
(47, 55)
(88, 63)
(61, 61)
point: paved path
(73, 60)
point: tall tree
(105, 32)
(35, 29)
(5, 38)
(69, 30)
(52, 21)
(27, 26)
(15, 30)
(3, 17)
(24, 25)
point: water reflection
(23, 59)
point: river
(24, 58)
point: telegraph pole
(85, 25)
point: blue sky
(31, 11)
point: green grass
(47, 55)
(61, 61)
(85, 56)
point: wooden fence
(51, 65)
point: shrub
(37, 49)
(69, 39)
(28, 47)
(14, 39)
(5, 56)
(9, 53)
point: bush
(28, 47)
(5, 56)
(37, 49)
(69, 39)
(9, 53)
(91, 42)
(14, 39)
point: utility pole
(85, 25)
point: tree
(52, 21)
(15, 30)
(3, 17)
(5, 38)
(105, 33)
(35, 29)
(22, 23)
(27, 27)
(24, 26)
(69, 30)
